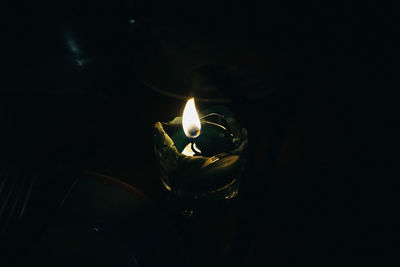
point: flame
(190, 120)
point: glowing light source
(190, 120)
(188, 151)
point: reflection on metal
(215, 124)
(14, 197)
(224, 187)
(166, 185)
(191, 149)
(28, 195)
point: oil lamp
(201, 157)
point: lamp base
(189, 203)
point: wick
(196, 152)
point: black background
(325, 194)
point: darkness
(78, 98)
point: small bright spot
(132, 21)
(80, 62)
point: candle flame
(190, 120)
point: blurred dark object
(214, 66)
(103, 221)
(28, 200)
(323, 160)
(63, 49)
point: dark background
(320, 188)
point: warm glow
(190, 120)
(188, 151)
